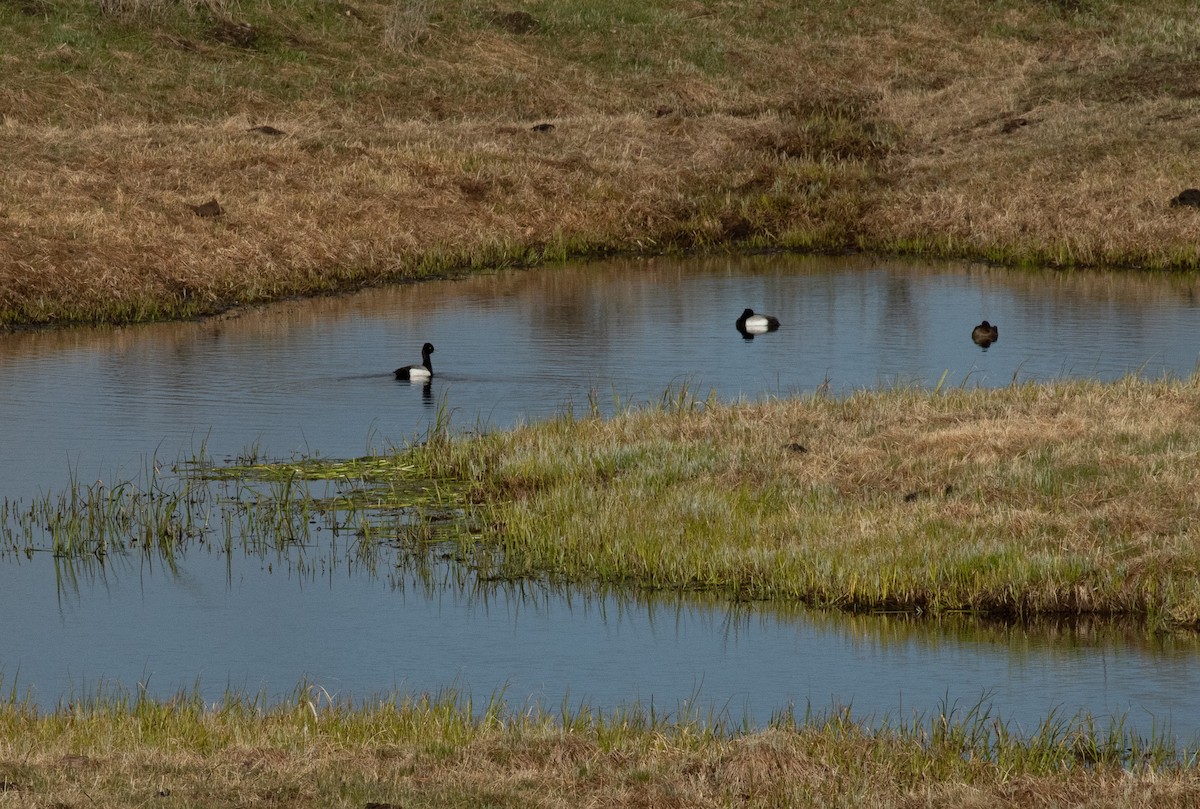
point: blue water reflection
(266, 628)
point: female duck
(985, 334)
(756, 324)
(418, 373)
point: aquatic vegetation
(97, 520)
(307, 515)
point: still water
(314, 378)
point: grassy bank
(1063, 498)
(403, 141)
(432, 751)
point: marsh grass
(1062, 498)
(115, 749)
(96, 520)
(309, 516)
(1016, 131)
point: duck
(750, 323)
(418, 373)
(985, 334)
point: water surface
(314, 378)
(267, 628)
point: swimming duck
(750, 323)
(419, 373)
(985, 334)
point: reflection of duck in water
(750, 324)
(418, 373)
(985, 334)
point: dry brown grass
(101, 219)
(117, 761)
(1064, 148)
(1022, 131)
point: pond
(315, 378)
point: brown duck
(985, 334)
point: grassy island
(1071, 498)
